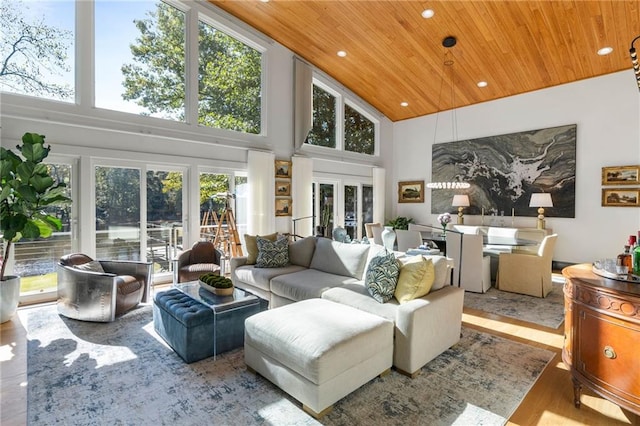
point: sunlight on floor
(471, 414)
(7, 352)
(533, 333)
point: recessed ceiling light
(427, 13)
(264, 1)
(482, 84)
(605, 51)
(404, 104)
(342, 53)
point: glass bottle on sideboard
(625, 259)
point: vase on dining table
(388, 236)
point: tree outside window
(323, 132)
(359, 132)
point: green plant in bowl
(216, 281)
(216, 284)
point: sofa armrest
(426, 327)
(133, 268)
(236, 262)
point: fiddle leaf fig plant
(26, 190)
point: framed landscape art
(621, 175)
(411, 191)
(620, 197)
(283, 188)
(283, 169)
(283, 206)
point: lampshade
(542, 199)
(460, 201)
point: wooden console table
(602, 336)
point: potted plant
(400, 222)
(222, 286)
(26, 189)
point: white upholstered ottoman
(318, 351)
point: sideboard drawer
(608, 353)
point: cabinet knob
(609, 352)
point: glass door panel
(117, 213)
(164, 219)
(35, 260)
(367, 207)
(326, 208)
(351, 211)
(214, 188)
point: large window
(323, 132)
(143, 55)
(340, 125)
(229, 82)
(140, 68)
(359, 132)
(37, 48)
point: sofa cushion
(307, 284)
(382, 276)
(272, 254)
(301, 251)
(339, 258)
(442, 271)
(251, 245)
(261, 277)
(357, 296)
(415, 279)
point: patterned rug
(548, 311)
(122, 373)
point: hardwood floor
(549, 402)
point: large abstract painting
(505, 170)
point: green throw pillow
(272, 254)
(382, 276)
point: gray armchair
(201, 258)
(99, 290)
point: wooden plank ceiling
(395, 55)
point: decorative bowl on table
(216, 284)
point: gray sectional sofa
(323, 268)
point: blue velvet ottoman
(186, 324)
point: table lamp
(460, 201)
(541, 200)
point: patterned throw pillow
(272, 254)
(251, 245)
(382, 276)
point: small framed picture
(411, 191)
(620, 197)
(283, 169)
(283, 188)
(283, 206)
(621, 175)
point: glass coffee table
(229, 313)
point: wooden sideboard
(602, 336)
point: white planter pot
(9, 297)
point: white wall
(607, 113)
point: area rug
(122, 373)
(547, 311)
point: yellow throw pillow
(251, 245)
(416, 278)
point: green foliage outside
(229, 74)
